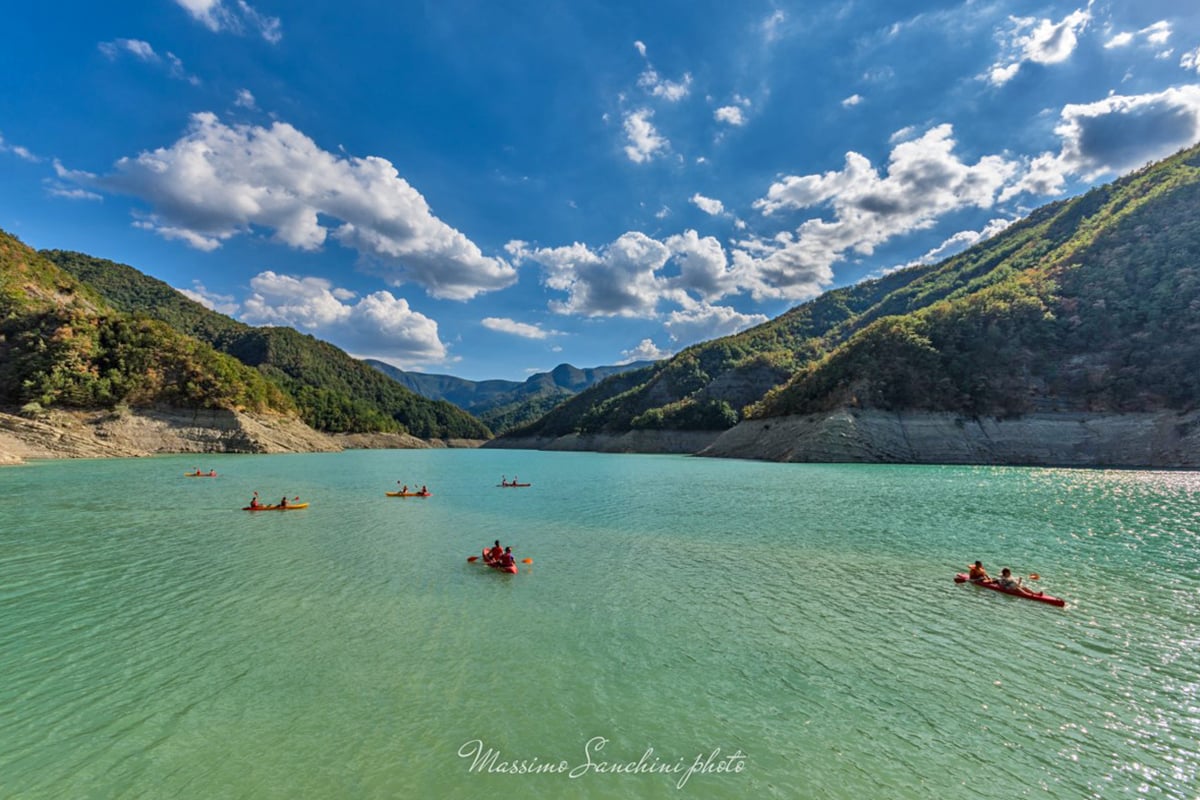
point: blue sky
(491, 189)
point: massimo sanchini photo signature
(489, 760)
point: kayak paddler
(977, 573)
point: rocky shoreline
(1164, 439)
(127, 433)
(1167, 439)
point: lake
(687, 627)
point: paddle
(472, 559)
(526, 560)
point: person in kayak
(1007, 580)
(507, 559)
(977, 573)
(404, 488)
(496, 553)
(283, 502)
(254, 501)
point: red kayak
(496, 565)
(1018, 592)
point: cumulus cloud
(703, 322)
(245, 99)
(1191, 60)
(1156, 35)
(618, 280)
(671, 91)
(708, 205)
(1040, 41)
(959, 242)
(644, 140)
(522, 329)
(376, 326)
(236, 17)
(1114, 135)
(221, 303)
(734, 113)
(704, 269)
(220, 181)
(852, 101)
(730, 115)
(925, 180)
(646, 350)
(630, 276)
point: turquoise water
(788, 631)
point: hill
(63, 345)
(1090, 303)
(502, 404)
(333, 392)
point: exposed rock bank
(126, 433)
(1160, 439)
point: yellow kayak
(288, 507)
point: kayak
(288, 507)
(198, 475)
(496, 565)
(512, 485)
(408, 494)
(1041, 597)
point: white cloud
(144, 52)
(245, 100)
(704, 322)
(57, 189)
(644, 140)
(1040, 41)
(1114, 135)
(670, 91)
(704, 269)
(522, 329)
(377, 326)
(1191, 60)
(17, 150)
(618, 280)
(139, 49)
(730, 115)
(219, 181)
(1119, 40)
(708, 205)
(852, 101)
(924, 182)
(221, 303)
(234, 17)
(1156, 35)
(772, 26)
(961, 241)
(646, 350)
(640, 47)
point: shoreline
(135, 433)
(1140, 440)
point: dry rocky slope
(130, 433)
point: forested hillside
(334, 392)
(502, 404)
(1087, 303)
(62, 344)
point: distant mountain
(63, 345)
(1088, 303)
(502, 404)
(333, 392)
